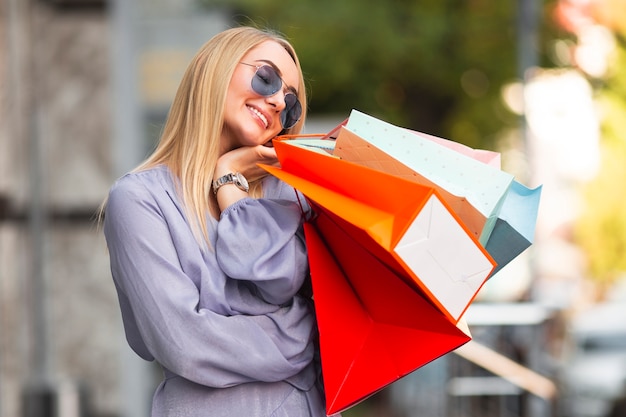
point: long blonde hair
(189, 144)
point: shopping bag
(405, 225)
(513, 231)
(374, 328)
(482, 185)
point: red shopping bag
(374, 328)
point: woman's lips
(260, 115)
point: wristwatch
(231, 178)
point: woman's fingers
(246, 160)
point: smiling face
(249, 118)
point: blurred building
(59, 322)
(81, 101)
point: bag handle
(300, 136)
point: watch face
(241, 181)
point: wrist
(231, 178)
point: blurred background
(85, 86)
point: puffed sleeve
(261, 240)
(162, 317)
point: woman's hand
(244, 160)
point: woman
(207, 252)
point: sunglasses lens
(292, 111)
(266, 81)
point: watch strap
(231, 178)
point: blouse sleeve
(261, 240)
(160, 307)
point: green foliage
(431, 65)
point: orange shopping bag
(406, 225)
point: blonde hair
(189, 144)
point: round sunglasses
(266, 82)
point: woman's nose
(277, 100)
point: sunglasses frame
(288, 112)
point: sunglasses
(266, 82)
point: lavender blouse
(227, 324)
